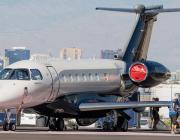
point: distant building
(17, 54)
(6, 61)
(41, 58)
(1, 63)
(178, 75)
(109, 54)
(70, 53)
(175, 77)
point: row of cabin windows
(84, 77)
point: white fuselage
(59, 78)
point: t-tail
(135, 52)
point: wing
(120, 105)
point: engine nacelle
(148, 73)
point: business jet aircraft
(88, 89)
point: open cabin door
(55, 84)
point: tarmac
(33, 133)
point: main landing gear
(56, 124)
(115, 122)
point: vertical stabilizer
(138, 43)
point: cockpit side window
(5, 73)
(36, 74)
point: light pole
(171, 99)
(171, 93)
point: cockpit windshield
(14, 74)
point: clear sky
(45, 26)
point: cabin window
(63, 78)
(106, 77)
(70, 78)
(36, 74)
(90, 77)
(76, 77)
(97, 77)
(84, 77)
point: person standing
(173, 114)
(155, 115)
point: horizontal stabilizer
(120, 105)
(118, 9)
(164, 10)
(141, 9)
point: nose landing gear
(8, 124)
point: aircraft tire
(52, 127)
(107, 126)
(52, 124)
(60, 124)
(122, 125)
(6, 126)
(12, 127)
(125, 126)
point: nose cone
(9, 96)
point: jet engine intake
(148, 73)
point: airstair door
(55, 83)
